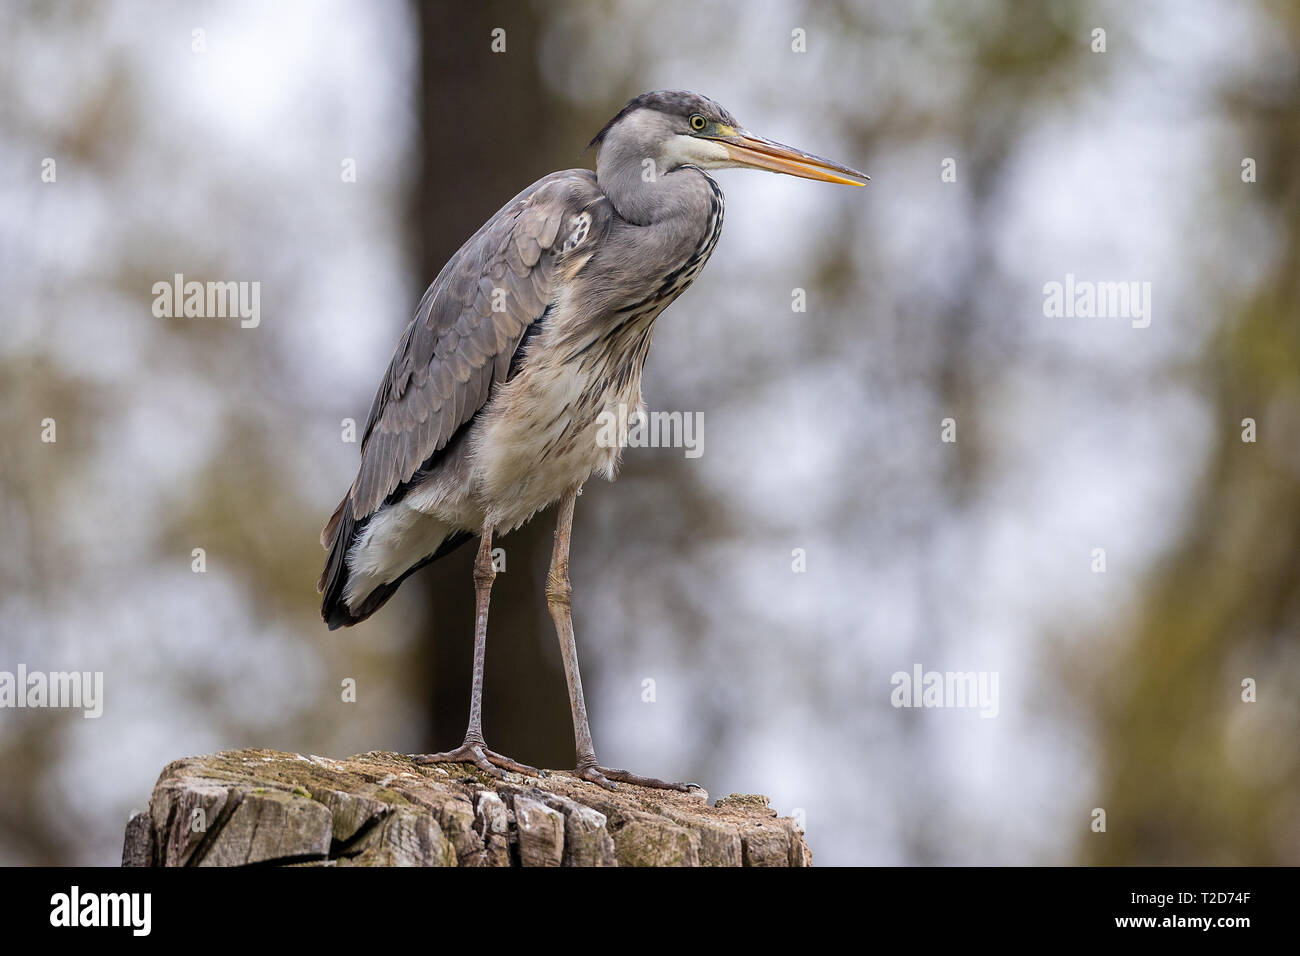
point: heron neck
(643, 196)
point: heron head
(675, 128)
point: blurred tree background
(1202, 779)
(215, 141)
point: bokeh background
(1119, 690)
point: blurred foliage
(1190, 772)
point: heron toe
(605, 777)
(489, 761)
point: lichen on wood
(245, 807)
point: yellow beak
(754, 152)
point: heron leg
(474, 749)
(559, 594)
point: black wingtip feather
(334, 610)
(334, 578)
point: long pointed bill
(752, 151)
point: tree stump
(242, 807)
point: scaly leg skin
(559, 595)
(474, 750)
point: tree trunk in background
(1192, 774)
(489, 127)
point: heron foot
(605, 777)
(488, 761)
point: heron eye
(698, 122)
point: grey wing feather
(457, 347)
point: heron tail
(338, 537)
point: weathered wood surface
(381, 809)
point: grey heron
(539, 325)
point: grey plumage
(461, 340)
(460, 343)
(534, 332)
(470, 322)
